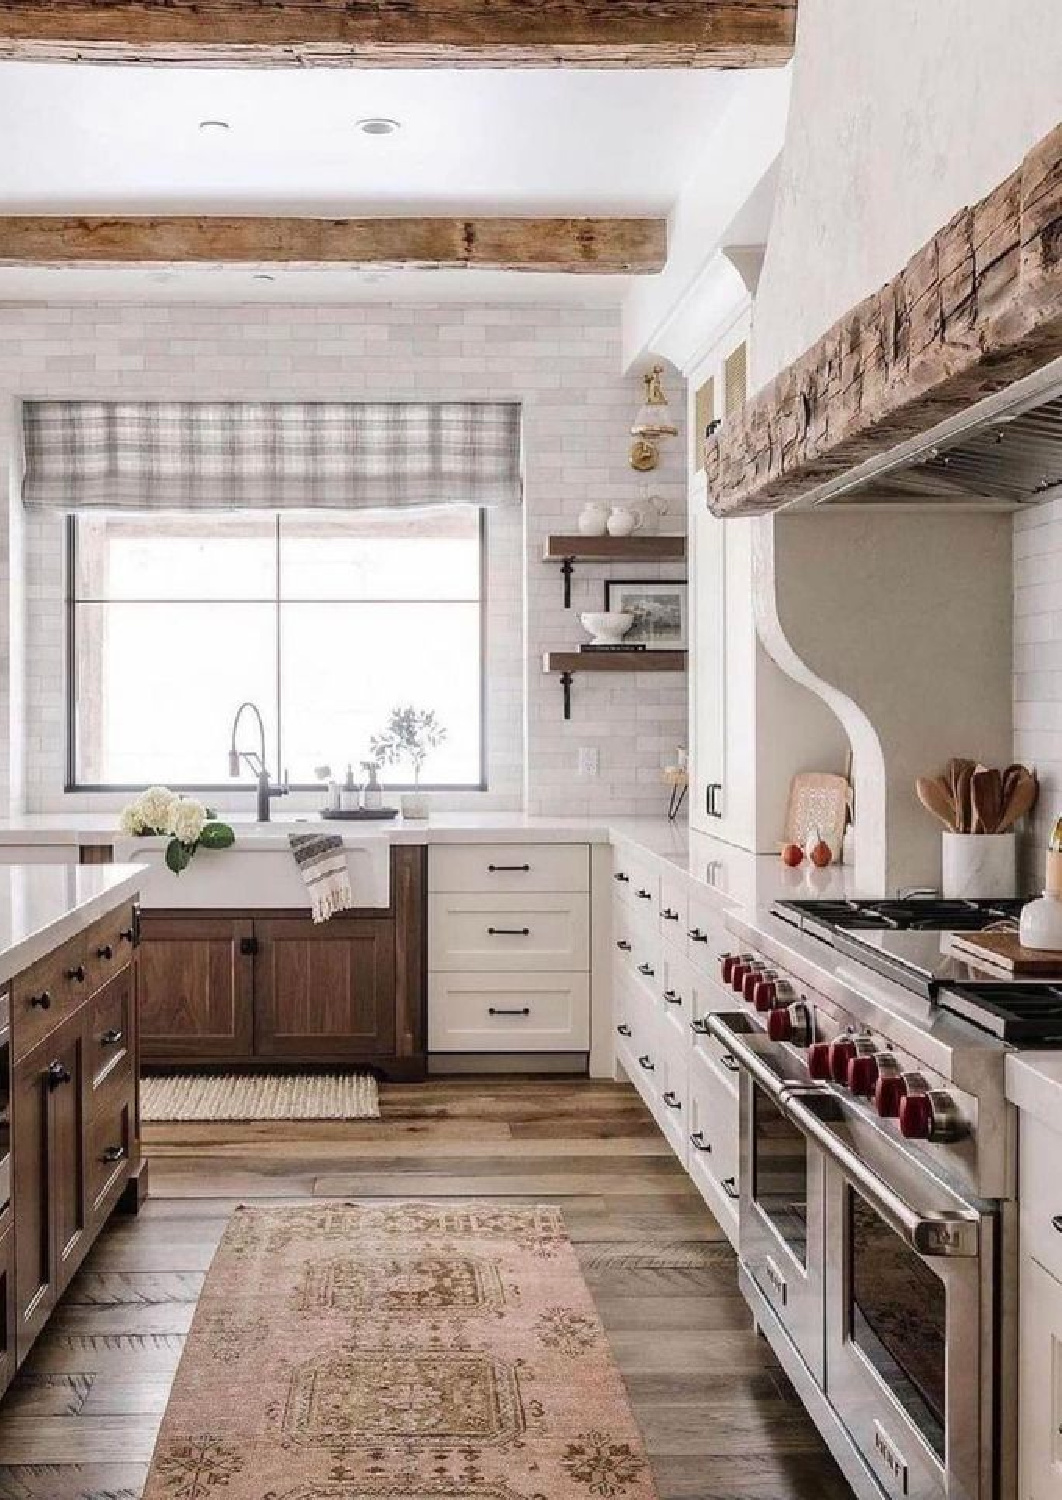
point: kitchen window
(326, 621)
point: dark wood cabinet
(271, 987)
(324, 994)
(74, 1131)
(196, 987)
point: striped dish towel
(322, 863)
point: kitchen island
(70, 1135)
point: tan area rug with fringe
(259, 1096)
(400, 1350)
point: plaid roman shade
(185, 455)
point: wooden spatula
(935, 797)
(986, 800)
(1020, 801)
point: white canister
(979, 866)
(593, 519)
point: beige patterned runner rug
(408, 1351)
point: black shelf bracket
(567, 569)
(566, 680)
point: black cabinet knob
(111, 1038)
(623, 945)
(672, 1100)
(77, 974)
(57, 1074)
(647, 970)
(730, 1188)
(1056, 1223)
(695, 935)
(127, 934)
(645, 895)
(698, 1142)
(647, 1063)
(623, 879)
(43, 1001)
(106, 952)
(624, 1029)
(113, 1153)
(669, 915)
(672, 997)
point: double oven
(875, 1278)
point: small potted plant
(409, 735)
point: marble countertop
(42, 906)
(1034, 1084)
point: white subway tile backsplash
(1038, 664)
(564, 365)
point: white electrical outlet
(589, 762)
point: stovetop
(909, 942)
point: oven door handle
(750, 1060)
(955, 1233)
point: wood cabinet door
(325, 993)
(195, 988)
(8, 1319)
(36, 1277)
(68, 1087)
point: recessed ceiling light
(379, 125)
(214, 127)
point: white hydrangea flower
(187, 818)
(156, 807)
(130, 821)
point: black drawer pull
(647, 1063)
(698, 1142)
(669, 915)
(730, 1188)
(699, 1024)
(623, 879)
(495, 1010)
(645, 895)
(127, 935)
(508, 932)
(672, 1100)
(57, 1074)
(106, 952)
(113, 1153)
(647, 970)
(623, 945)
(672, 997)
(624, 1029)
(1056, 1223)
(111, 1038)
(77, 974)
(730, 1062)
(695, 935)
(43, 1001)
(509, 869)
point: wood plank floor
(720, 1419)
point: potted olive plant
(408, 737)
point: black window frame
(72, 785)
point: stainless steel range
(878, 1157)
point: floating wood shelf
(568, 550)
(567, 663)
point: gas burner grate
(919, 914)
(1024, 1013)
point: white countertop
(42, 906)
(1034, 1084)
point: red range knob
(916, 1117)
(819, 1060)
(780, 1026)
(737, 975)
(863, 1074)
(764, 994)
(726, 966)
(888, 1094)
(842, 1052)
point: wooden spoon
(936, 798)
(1021, 801)
(963, 810)
(986, 800)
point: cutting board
(818, 801)
(1002, 950)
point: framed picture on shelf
(659, 610)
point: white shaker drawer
(509, 868)
(508, 1013)
(1040, 1194)
(515, 933)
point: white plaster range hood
(1004, 453)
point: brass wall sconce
(653, 422)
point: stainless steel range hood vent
(1003, 454)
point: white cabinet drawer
(1040, 1194)
(508, 868)
(1040, 1383)
(713, 1142)
(520, 934)
(672, 1097)
(508, 1013)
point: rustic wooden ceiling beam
(977, 308)
(591, 246)
(404, 33)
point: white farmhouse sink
(259, 871)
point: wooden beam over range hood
(589, 246)
(976, 309)
(404, 33)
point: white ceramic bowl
(607, 627)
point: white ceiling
(88, 139)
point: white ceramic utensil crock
(979, 866)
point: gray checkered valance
(185, 455)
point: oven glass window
(780, 1173)
(897, 1316)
